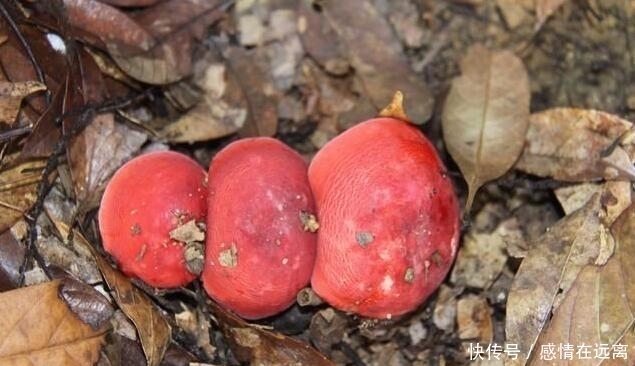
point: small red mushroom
(389, 219)
(145, 203)
(260, 249)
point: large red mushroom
(144, 209)
(260, 249)
(389, 219)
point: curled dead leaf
(11, 95)
(164, 56)
(96, 153)
(262, 347)
(578, 145)
(549, 270)
(605, 294)
(86, 303)
(18, 190)
(153, 329)
(485, 115)
(213, 116)
(45, 332)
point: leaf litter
(485, 115)
(583, 145)
(45, 331)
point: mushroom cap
(146, 198)
(389, 219)
(258, 255)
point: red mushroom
(146, 200)
(259, 250)
(389, 219)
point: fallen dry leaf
(108, 24)
(103, 145)
(255, 87)
(213, 116)
(152, 328)
(18, 190)
(550, 268)
(618, 197)
(11, 258)
(11, 95)
(605, 295)
(577, 145)
(146, 44)
(262, 347)
(41, 142)
(169, 57)
(320, 40)
(96, 153)
(85, 302)
(17, 66)
(135, 3)
(375, 53)
(44, 332)
(485, 115)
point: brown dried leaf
(605, 294)
(161, 65)
(617, 197)
(11, 95)
(17, 65)
(97, 152)
(577, 145)
(45, 134)
(133, 3)
(108, 24)
(44, 332)
(82, 84)
(486, 114)
(548, 271)
(101, 147)
(376, 55)
(11, 258)
(153, 329)
(249, 81)
(265, 348)
(18, 190)
(85, 302)
(170, 56)
(213, 116)
(320, 40)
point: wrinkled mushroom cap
(146, 198)
(389, 219)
